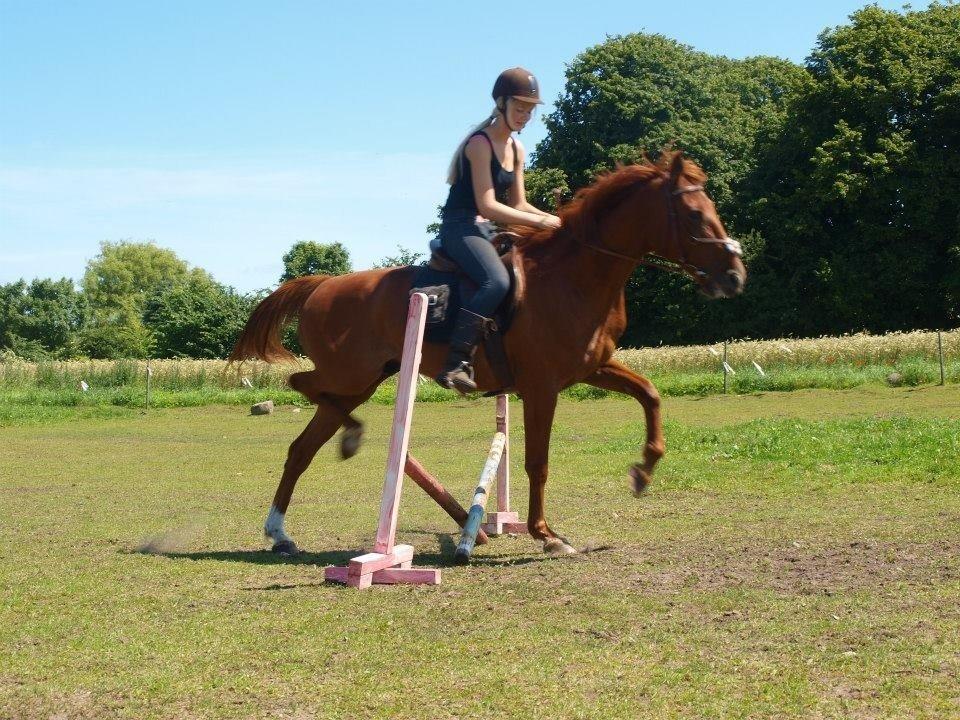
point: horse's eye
(696, 218)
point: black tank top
(461, 200)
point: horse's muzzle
(727, 285)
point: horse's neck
(589, 282)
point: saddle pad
(443, 294)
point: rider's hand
(549, 221)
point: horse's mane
(579, 216)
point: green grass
(798, 556)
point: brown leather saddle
(447, 287)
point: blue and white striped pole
(475, 516)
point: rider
(482, 190)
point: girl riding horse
(482, 190)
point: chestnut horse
(569, 316)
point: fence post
(725, 366)
(149, 376)
(940, 352)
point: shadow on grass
(441, 559)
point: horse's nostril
(735, 279)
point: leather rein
(682, 265)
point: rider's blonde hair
(456, 163)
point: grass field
(798, 556)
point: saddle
(447, 288)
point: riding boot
(457, 372)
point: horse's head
(694, 238)
(653, 214)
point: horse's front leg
(538, 413)
(616, 376)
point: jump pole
(470, 529)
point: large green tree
(41, 319)
(636, 94)
(125, 273)
(857, 195)
(117, 283)
(195, 317)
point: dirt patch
(797, 568)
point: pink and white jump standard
(503, 521)
(390, 563)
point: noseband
(682, 265)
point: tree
(856, 196)
(196, 317)
(545, 186)
(41, 319)
(122, 336)
(403, 257)
(636, 94)
(310, 258)
(433, 229)
(125, 273)
(117, 284)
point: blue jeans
(468, 246)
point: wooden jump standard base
(390, 563)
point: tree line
(840, 176)
(138, 300)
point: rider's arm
(479, 152)
(518, 191)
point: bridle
(682, 265)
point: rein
(663, 263)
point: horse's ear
(676, 167)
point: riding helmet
(517, 83)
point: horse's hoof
(639, 480)
(350, 440)
(556, 546)
(286, 548)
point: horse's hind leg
(330, 414)
(618, 377)
(308, 384)
(352, 434)
(321, 428)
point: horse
(569, 314)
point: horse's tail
(261, 336)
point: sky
(227, 131)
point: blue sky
(227, 131)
